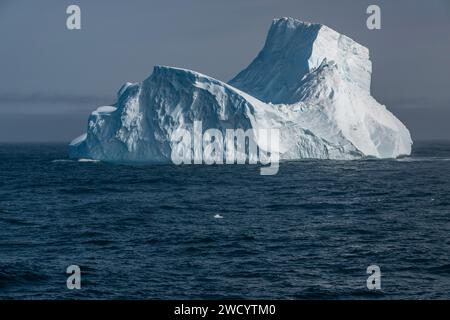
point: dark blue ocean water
(146, 232)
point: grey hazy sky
(51, 78)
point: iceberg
(308, 81)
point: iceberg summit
(309, 82)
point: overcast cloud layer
(51, 78)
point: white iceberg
(308, 81)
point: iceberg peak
(293, 49)
(291, 23)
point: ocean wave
(88, 160)
(62, 160)
(422, 159)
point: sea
(224, 231)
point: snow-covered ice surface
(309, 81)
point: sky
(51, 78)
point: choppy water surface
(162, 231)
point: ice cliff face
(309, 81)
(140, 125)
